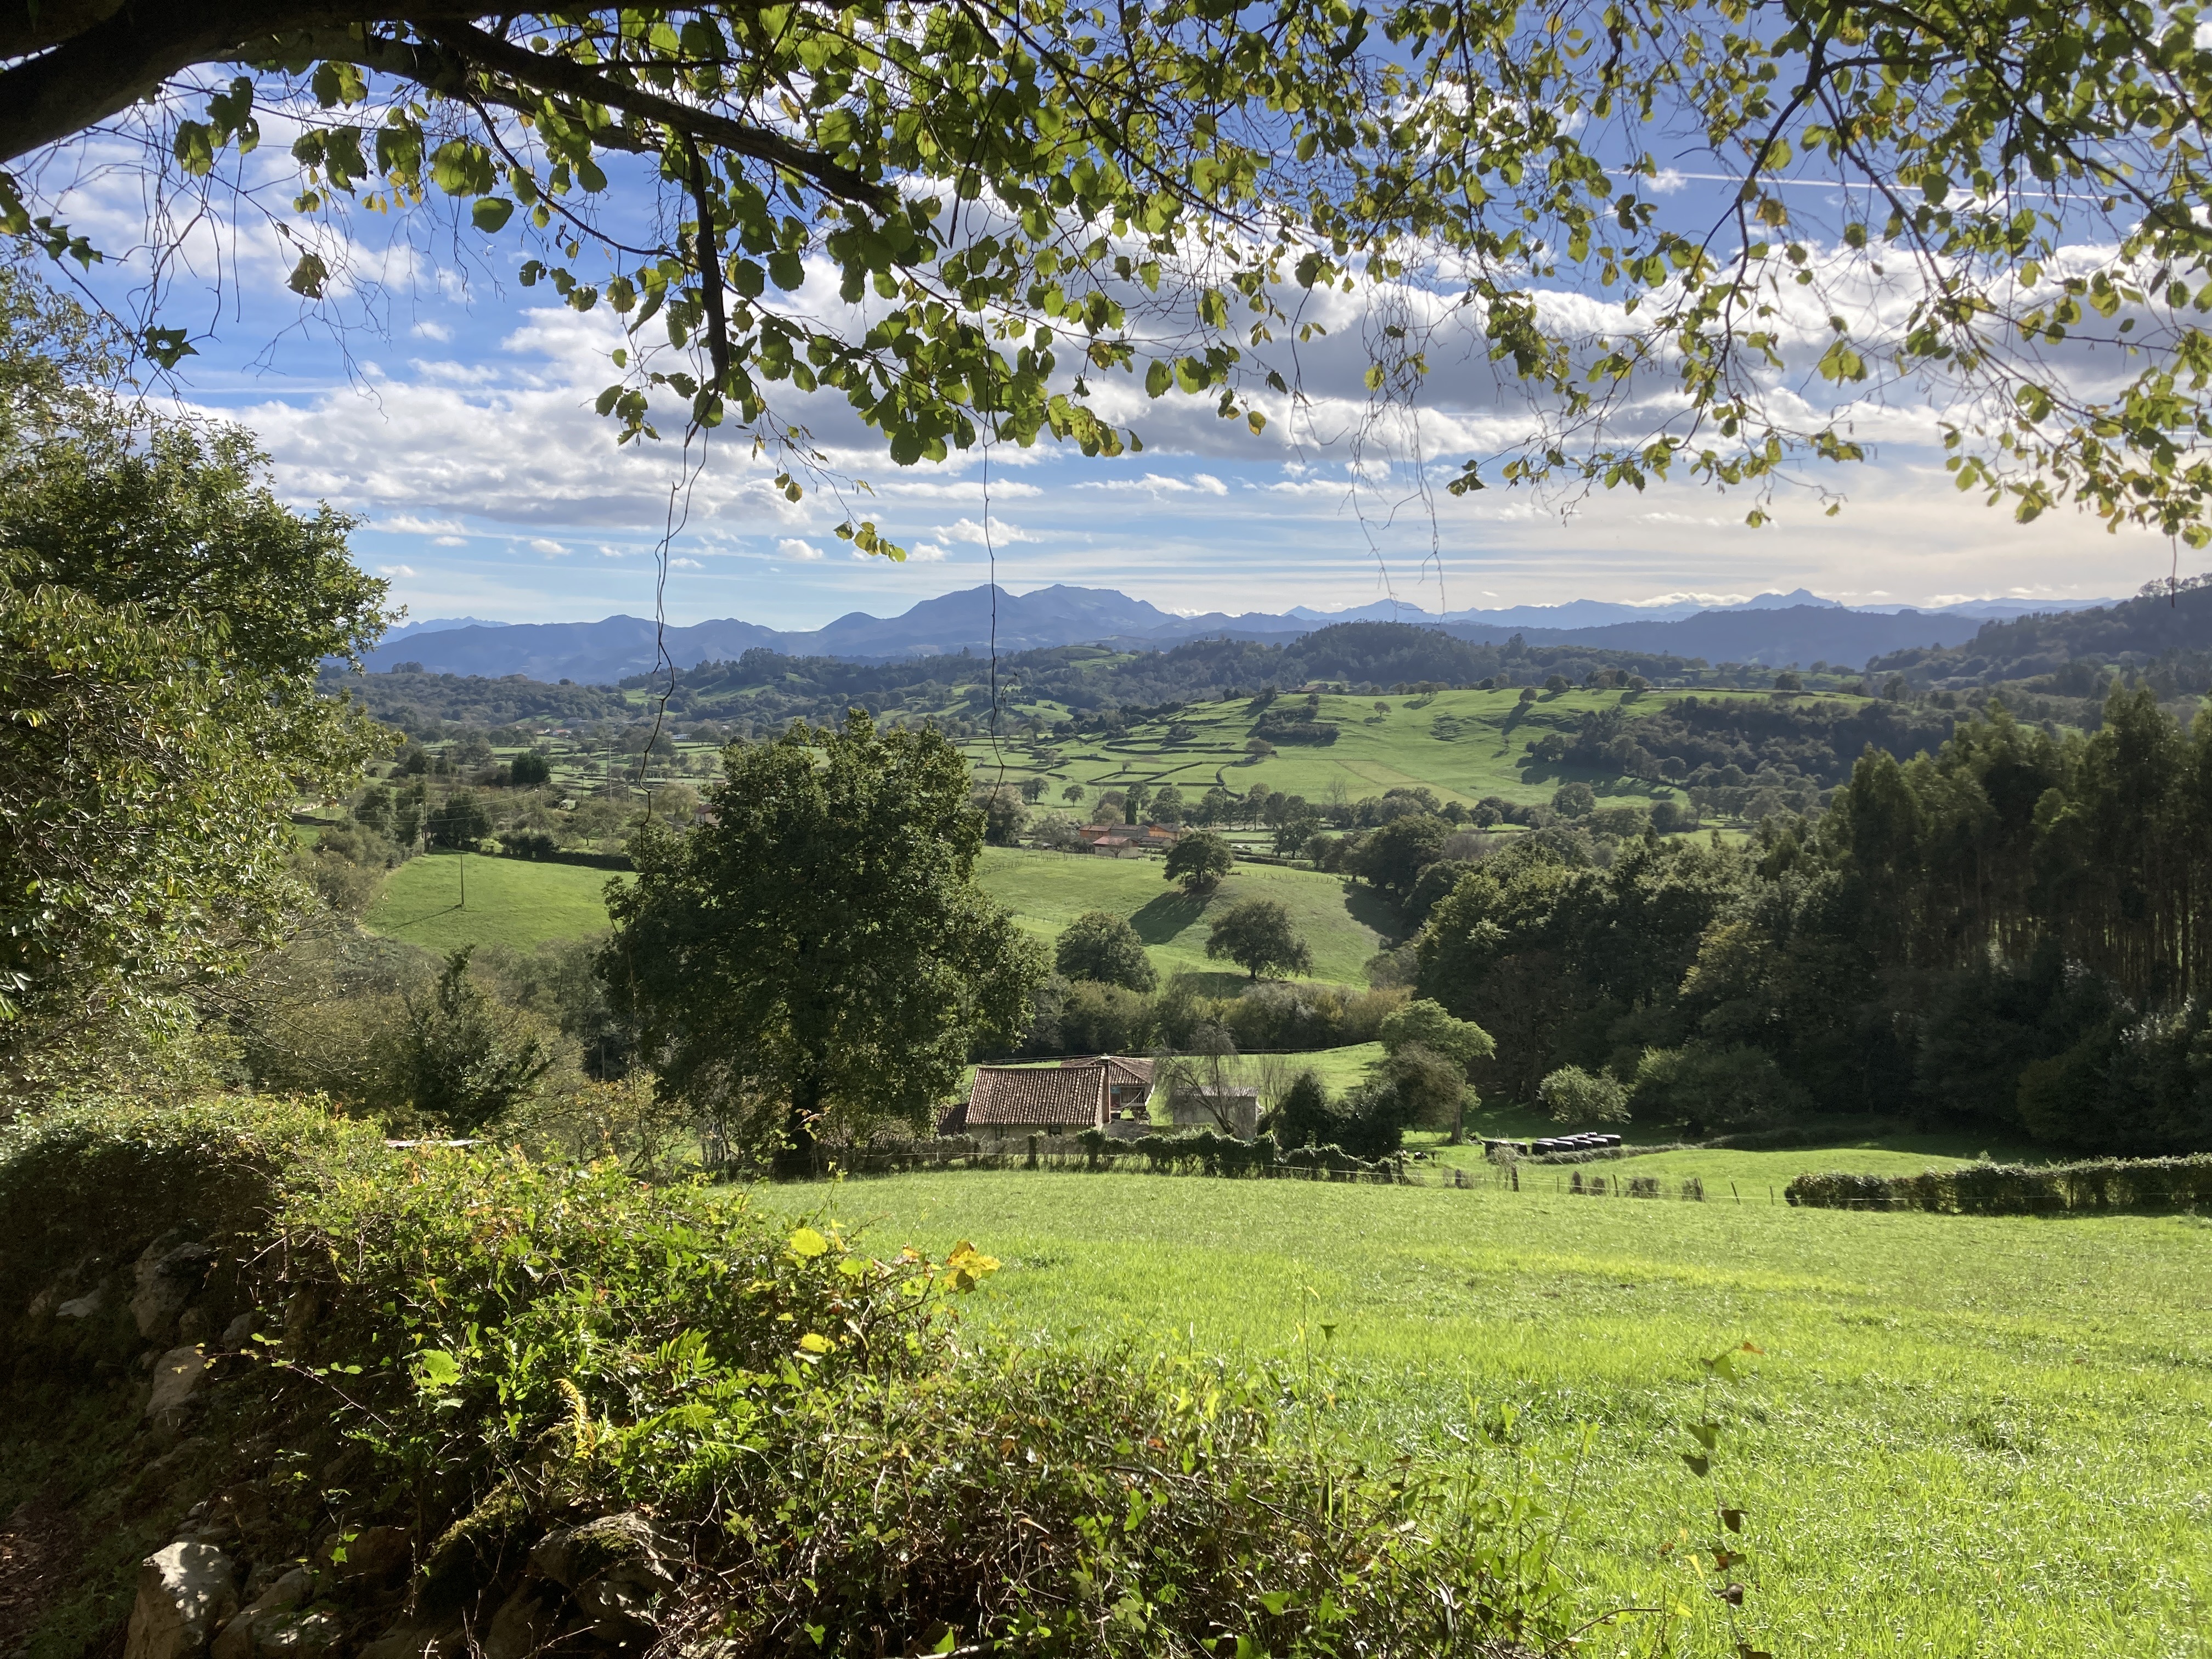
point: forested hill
(2165, 638)
(1091, 682)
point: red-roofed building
(1122, 841)
(1013, 1103)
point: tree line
(2008, 932)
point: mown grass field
(1463, 744)
(509, 902)
(1966, 1435)
(1048, 890)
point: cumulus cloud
(551, 550)
(1002, 531)
(1154, 483)
(427, 330)
(791, 547)
(927, 553)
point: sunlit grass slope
(1048, 890)
(510, 902)
(1967, 1436)
(1463, 744)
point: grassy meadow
(1463, 744)
(1048, 890)
(1966, 1436)
(510, 902)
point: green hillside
(509, 902)
(1463, 744)
(1048, 890)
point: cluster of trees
(161, 618)
(2008, 932)
(1105, 692)
(423, 705)
(2155, 639)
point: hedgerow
(2094, 1186)
(492, 1356)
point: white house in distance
(1013, 1103)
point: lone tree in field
(818, 949)
(1102, 946)
(1199, 861)
(1425, 1028)
(1258, 935)
(1020, 206)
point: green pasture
(1463, 744)
(510, 902)
(1966, 1437)
(1047, 890)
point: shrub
(502, 1349)
(1709, 1089)
(2099, 1185)
(1573, 1096)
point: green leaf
(806, 1244)
(491, 213)
(308, 276)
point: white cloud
(427, 330)
(685, 564)
(1154, 483)
(551, 550)
(395, 570)
(449, 541)
(1002, 531)
(408, 524)
(927, 553)
(792, 548)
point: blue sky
(452, 411)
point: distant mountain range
(1774, 628)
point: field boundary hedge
(2094, 1187)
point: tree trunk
(794, 1160)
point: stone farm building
(1125, 840)
(1013, 1103)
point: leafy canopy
(161, 618)
(1029, 213)
(1258, 935)
(1198, 860)
(1103, 947)
(818, 949)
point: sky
(451, 409)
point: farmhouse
(1124, 840)
(1013, 1103)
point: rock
(238, 1332)
(375, 1553)
(166, 1279)
(292, 1636)
(253, 1630)
(525, 1622)
(177, 1374)
(613, 1566)
(184, 1592)
(80, 1307)
(194, 1325)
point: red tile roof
(1067, 1095)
